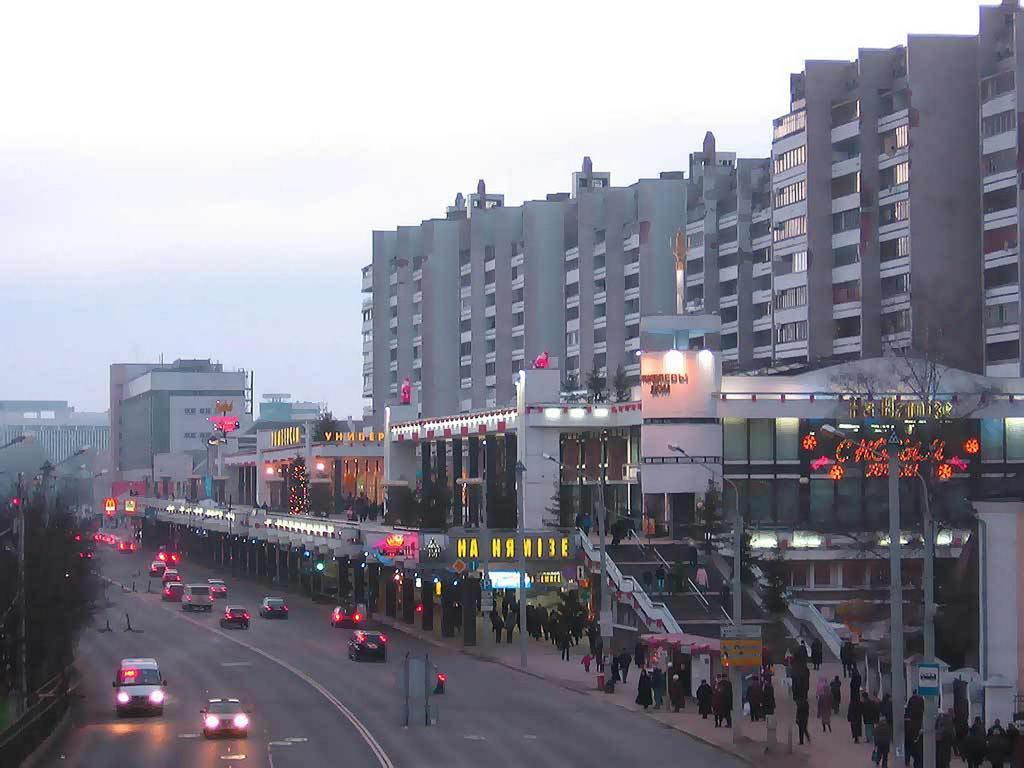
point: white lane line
(236, 663)
(279, 743)
(296, 739)
(233, 757)
(529, 736)
(188, 735)
(364, 732)
(475, 738)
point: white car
(139, 687)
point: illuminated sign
(873, 455)
(549, 577)
(110, 505)
(661, 383)
(432, 550)
(129, 506)
(893, 408)
(542, 547)
(224, 407)
(225, 423)
(399, 545)
(507, 579)
(286, 436)
(354, 437)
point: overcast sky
(202, 180)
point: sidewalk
(835, 749)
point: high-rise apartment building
(875, 226)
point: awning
(696, 643)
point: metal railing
(26, 733)
(804, 610)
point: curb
(405, 630)
(54, 736)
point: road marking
(364, 732)
(529, 736)
(236, 663)
(188, 735)
(475, 738)
(279, 743)
(296, 739)
(232, 757)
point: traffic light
(15, 502)
(320, 565)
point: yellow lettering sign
(496, 548)
(474, 549)
(510, 548)
(460, 548)
(565, 546)
(527, 547)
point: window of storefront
(1015, 439)
(761, 501)
(799, 574)
(992, 439)
(762, 438)
(854, 573)
(729, 497)
(735, 439)
(848, 498)
(787, 501)
(787, 443)
(822, 501)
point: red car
(218, 589)
(172, 592)
(168, 556)
(170, 575)
(126, 547)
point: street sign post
(928, 679)
(741, 645)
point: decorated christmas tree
(298, 488)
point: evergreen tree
(775, 574)
(432, 507)
(571, 388)
(298, 488)
(557, 516)
(620, 383)
(709, 514)
(325, 423)
(596, 385)
(748, 560)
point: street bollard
(789, 740)
(772, 727)
(600, 681)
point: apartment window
(997, 85)
(789, 228)
(571, 264)
(393, 378)
(848, 254)
(465, 324)
(490, 322)
(632, 281)
(489, 277)
(763, 283)
(517, 318)
(466, 349)
(489, 369)
(572, 289)
(466, 371)
(696, 266)
(599, 285)
(572, 313)
(572, 363)
(791, 297)
(416, 353)
(488, 252)
(1001, 276)
(489, 300)
(843, 293)
(762, 309)
(392, 289)
(464, 257)
(633, 331)
(1002, 351)
(845, 220)
(632, 257)
(728, 314)
(896, 248)
(516, 269)
(789, 332)
(632, 307)
(465, 281)
(728, 341)
(845, 112)
(517, 341)
(762, 338)
(999, 315)
(760, 228)
(600, 359)
(791, 159)
(789, 124)
(999, 162)
(367, 314)
(600, 334)
(728, 288)
(489, 346)
(599, 261)
(895, 285)
(517, 295)
(190, 411)
(572, 338)
(895, 140)
(695, 239)
(761, 255)
(846, 185)
(999, 200)
(895, 322)
(393, 354)
(1000, 123)
(394, 312)
(600, 309)
(727, 235)
(894, 212)
(1002, 239)
(847, 327)
(894, 175)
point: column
(457, 510)
(474, 471)
(427, 599)
(408, 598)
(468, 593)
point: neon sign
(895, 408)
(398, 545)
(873, 455)
(661, 383)
(225, 423)
(110, 505)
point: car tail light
(189, 598)
(211, 721)
(123, 698)
(284, 608)
(162, 557)
(383, 638)
(246, 615)
(157, 697)
(356, 617)
(241, 720)
(442, 677)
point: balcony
(368, 279)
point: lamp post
(737, 590)
(605, 610)
(928, 530)
(521, 531)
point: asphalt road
(297, 677)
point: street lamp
(605, 610)
(737, 588)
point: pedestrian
(944, 737)
(854, 715)
(585, 661)
(996, 745)
(704, 697)
(702, 578)
(616, 676)
(726, 598)
(643, 689)
(658, 686)
(837, 694)
(767, 695)
(802, 715)
(659, 579)
(639, 654)
(727, 695)
(564, 644)
(718, 703)
(802, 655)
(824, 701)
(816, 653)
(676, 692)
(869, 713)
(845, 656)
(624, 661)
(974, 745)
(883, 740)
(510, 624)
(885, 709)
(754, 699)
(496, 625)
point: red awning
(682, 640)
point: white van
(197, 597)
(139, 687)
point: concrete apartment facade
(160, 409)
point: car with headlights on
(139, 687)
(225, 717)
(170, 574)
(157, 568)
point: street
(490, 714)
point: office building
(166, 409)
(278, 406)
(55, 426)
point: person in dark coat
(639, 654)
(883, 741)
(510, 624)
(658, 686)
(564, 644)
(718, 704)
(767, 695)
(704, 696)
(616, 676)
(754, 699)
(727, 694)
(837, 694)
(803, 713)
(676, 692)
(996, 745)
(816, 653)
(846, 656)
(497, 625)
(643, 689)
(855, 715)
(624, 661)
(974, 745)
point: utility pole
(521, 530)
(929, 622)
(22, 604)
(896, 595)
(737, 611)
